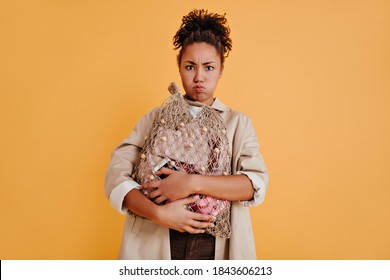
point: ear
(220, 72)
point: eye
(209, 68)
(189, 67)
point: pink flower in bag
(209, 205)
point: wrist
(195, 184)
(155, 214)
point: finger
(160, 199)
(193, 230)
(202, 225)
(165, 171)
(153, 184)
(190, 199)
(203, 217)
(154, 194)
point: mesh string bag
(192, 145)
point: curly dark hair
(200, 26)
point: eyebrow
(193, 63)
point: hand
(175, 186)
(174, 215)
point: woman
(170, 230)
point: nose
(198, 78)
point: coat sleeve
(118, 180)
(251, 163)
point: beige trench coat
(143, 239)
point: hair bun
(201, 21)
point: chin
(198, 97)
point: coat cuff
(119, 192)
(259, 187)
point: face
(200, 69)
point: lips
(199, 88)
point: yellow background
(313, 75)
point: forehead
(200, 52)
